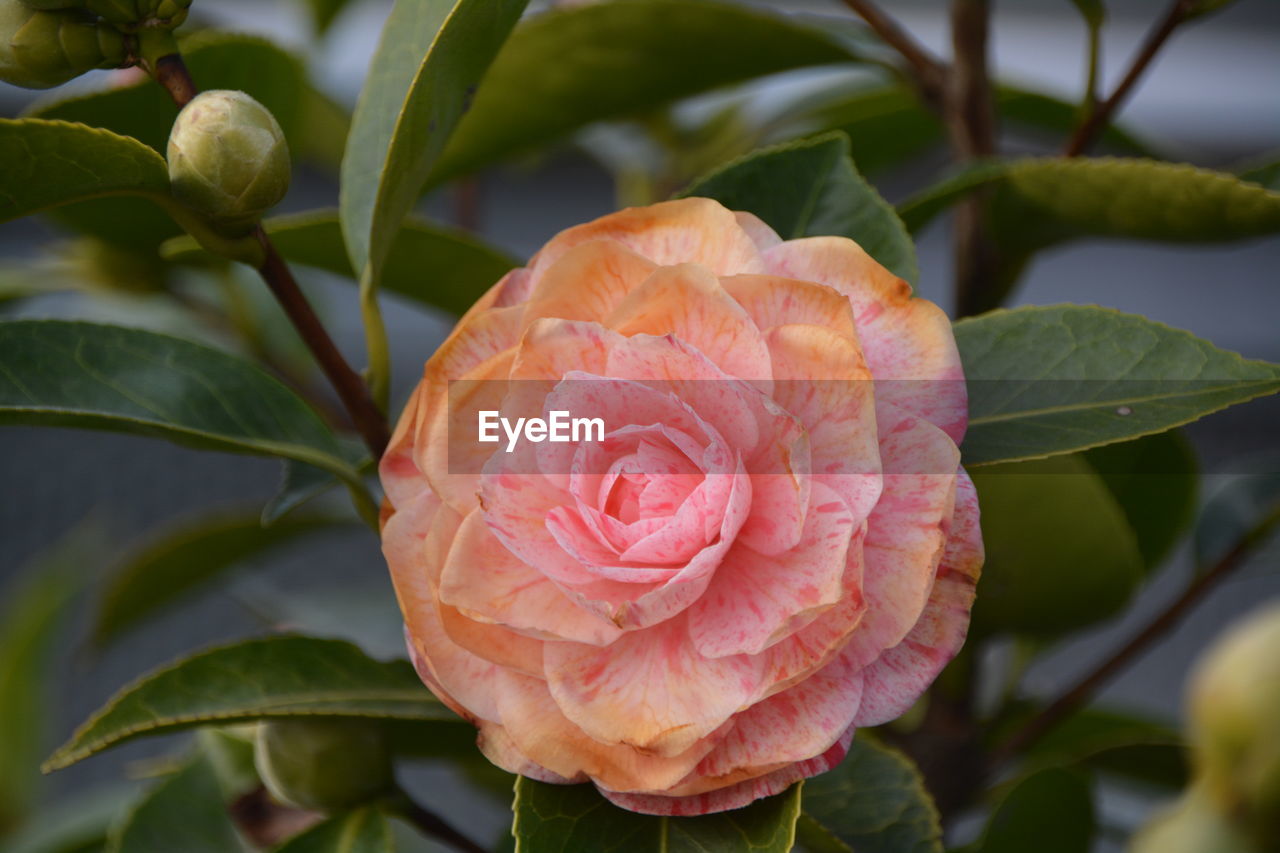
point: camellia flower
(771, 544)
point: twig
(1084, 689)
(1098, 118)
(929, 73)
(970, 116)
(171, 72)
(431, 824)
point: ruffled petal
(587, 282)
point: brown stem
(171, 72)
(431, 824)
(366, 417)
(928, 72)
(970, 114)
(466, 204)
(1098, 118)
(1083, 690)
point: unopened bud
(40, 49)
(228, 159)
(323, 764)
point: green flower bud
(135, 14)
(323, 764)
(39, 49)
(1235, 722)
(228, 159)
(1193, 825)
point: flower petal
(587, 281)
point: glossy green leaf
(569, 67)
(1057, 379)
(184, 812)
(1154, 481)
(252, 680)
(811, 188)
(182, 559)
(1266, 174)
(1048, 812)
(1119, 744)
(300, 483)
(230, 752)
(363, 831)
(59, 373)
(32, 617)
(1246, 508)
(873, 802)
(1042, 202)
(1060, 552)
(51, 163)
(429, 264)
(571, 818)
(422, 79)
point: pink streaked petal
(488, 583)
(908, 342)
(908, 529)
(691, 230)
(541, 732)
(771, 301)
(755, 600)
(587, 282)
(461, 680)
(494, 643)
(650, 689)
(897, 678)
(552, 348)
(401, 479)
(798, 724)
(579, 541)
(781, 480)
(499, 748)
(688, 302)
(734, 796)
(820, 378)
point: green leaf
(873, 802)
(423, 76)
(252, 680)
(1154, 481)
(1246, 508)
(58, 373)
(324, 11)
(1042, 202)
(1126, 745)
(363, 831)
(570, 818)
(182, 559)
(1060, 552)
(429, 264)
(34, 611)
(1266, 174)
(811, 188)
(1057, 379)
(230, 752)
(1048, 812)
(184, 812)
(567, 68)
(50, 163)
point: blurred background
(1212, 98)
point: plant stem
(430, 824)
(1083, 690)
(366, 416)
(970, 115)
(928, 72)
(171, 72)
(1097, 119)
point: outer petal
(688, 302)
(735, 796)
(690, 230)
(899, 676)
(756, 600)
(908, 342)
(587, 282)
(650, 689)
